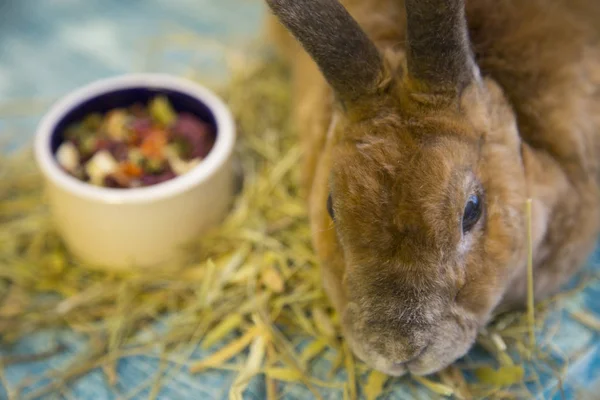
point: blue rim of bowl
(215, 160)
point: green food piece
(93, 122)
(116, 122)
(161, 111)
(71, 132)
(182, 147)
(87, 145)
(79, 173)
(76, 131)
(154, 165)
(135, 156)
(504, 376)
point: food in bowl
(141, 145)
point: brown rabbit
(427, 125)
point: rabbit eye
(472, 213)
(330, 207)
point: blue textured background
(48, 47)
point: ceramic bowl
(138, 227)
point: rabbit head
(424, 190)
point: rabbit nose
(418, 353)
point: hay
(252, 284)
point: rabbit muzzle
(420, 341)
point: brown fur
(401, 161)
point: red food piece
(139, 128)
(148, 180)
(138, 110)
(119, 150)
(153, 144)
(102, 144)
(133, 139)
(199, 134)
(110, 181)
(142, 126)
(118, 178)
(130, 169)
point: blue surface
(49, 47)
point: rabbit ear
(348, 59)
(439, 54)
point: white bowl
(138, 227)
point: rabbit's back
(545, 54)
